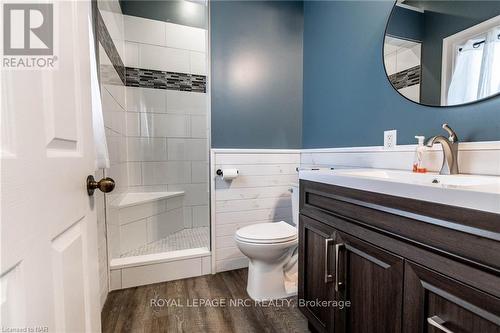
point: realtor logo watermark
(28, 36)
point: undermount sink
(432, 179)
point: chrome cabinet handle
(338, 283)
(438, 323)
(328, 277)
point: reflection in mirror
(443, 53)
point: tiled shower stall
(153, 85)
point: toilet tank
(295, 203)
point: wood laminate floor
(131, 310)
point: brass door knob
(106, 185)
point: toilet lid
(267, 232)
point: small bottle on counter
(419, 155)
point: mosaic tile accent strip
(149, 78)
(181, 240)
(406, 78)
(109, 47)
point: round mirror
(444, 53)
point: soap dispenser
(419, 155)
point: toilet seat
(267, 233)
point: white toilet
(272, 252)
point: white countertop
(468, 191)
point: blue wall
(256, 51)
(348, 100)
(406, 23)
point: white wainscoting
(480, 158)
(259, 194)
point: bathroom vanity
(410, 255)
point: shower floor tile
(181, 240)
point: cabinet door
(372, 280)
(435, 303)
(315, 272)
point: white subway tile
(186, 102)
(134, 173)
(187, 149)
(118, 92)
(199, 172)
(184, 37)
(133, 235)
(165, 125)
(163, 58)
(176, 60)
(200, 216)
(164, 224)
(195, 194)
(131, 54)
(407, 58)
(206, 265)
(198, 63)
(175, 202)
(115, 279)
(113, 114)
(114, 240)
(142, 30)
(114, 145)
(146, 100)
(167, 271)
(154, 173)
(133, 124)
(142, 211)
(146, 149)
(199, 127)
(188, 217)
(390, 63)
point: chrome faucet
(450, 150)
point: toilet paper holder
(219, 172)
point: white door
(49, 267)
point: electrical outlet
(390, 139)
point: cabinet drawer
(436, 303)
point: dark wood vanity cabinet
(354, 247)
(337, 266)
